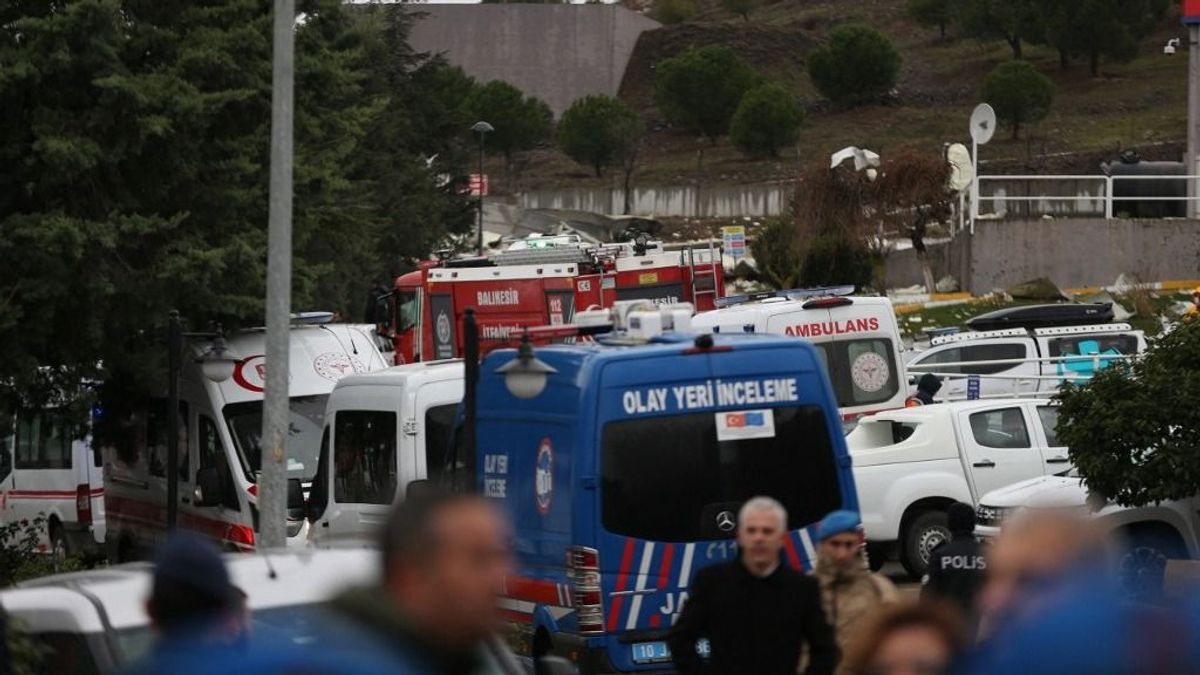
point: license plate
(651, 652)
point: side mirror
(912, 380)
(416, 487)
(295, 494)
(556, 665)
(208, 490)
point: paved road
(909, 587)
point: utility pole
(272, 480)
(1193, 143)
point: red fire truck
(538, 286)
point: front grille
(991, 516)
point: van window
(439, 427)
(318, 497)
(666, 478)
(1049, 417)
(1087, 345)
(43, 441)
(6, 460)
(1004, 428)
(364, 454)
(862, 371)
(981, 352)
(157, 436)
(212, 455)
(305, 422)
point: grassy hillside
(1138, 104)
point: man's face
(760, 537)
(842, 549)
(459, 586)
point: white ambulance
(383, 430)
(49, 470)
(857, 337)
(219, 439)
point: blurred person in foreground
(756, 612)
(445, 557)
(849, 591)
(1049, 605)
(907, 639)
(957, 567)
(193, 606)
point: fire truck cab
(623, 464)
(528, 286)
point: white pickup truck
(1143, 538)
(911, 464)
(1020, 361)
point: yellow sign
(648, 278)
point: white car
(911, 464)
(1144, 538)
(95, 622)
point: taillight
(583, 568)
(83, 503)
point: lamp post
(217, 363)
(482, 128)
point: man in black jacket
(755, 612)
(957, 568)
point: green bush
(1019, 94)
(931, 13)
(859, 65)
(767, 119)
(836, 259)
(673, 11)
(774, 251)
(701, 88)
(520, 122)
(599, 131)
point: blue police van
(623, 470)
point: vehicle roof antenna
(270, 568)
(343, 345)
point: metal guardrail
(1104, 194)
(1096, 361)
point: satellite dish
(962, 171)
(983, 123)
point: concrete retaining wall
(718, 201)
(1073, 253)
(557, 53)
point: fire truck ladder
(708, 275)
(543, 256)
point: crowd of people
(1038, 600)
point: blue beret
(838, 522)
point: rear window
(1049, 416)
(364, 457)
(669, 478)
(439, 429)
(1088, 345)
(44, 440)
(863, 372)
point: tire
(926, 532)
(60, 548)
(1142, 562)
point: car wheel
(59, 549)
(1142, 565)
(926, 532)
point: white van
(857, 337)
(49, 469)
(220, 431)
(1020, 361)
(383, 430)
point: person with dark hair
(192, 605)
(445, 557)
(927, 387)
(958, 567)
(907, 639)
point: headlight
(991, 516)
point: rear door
(1000, 446)
(1078, 357)
(999, 372)
(435, 408)
(1054, 453)
(364, 475)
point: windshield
(304, 434)
(668, 478)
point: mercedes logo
(725, 521)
